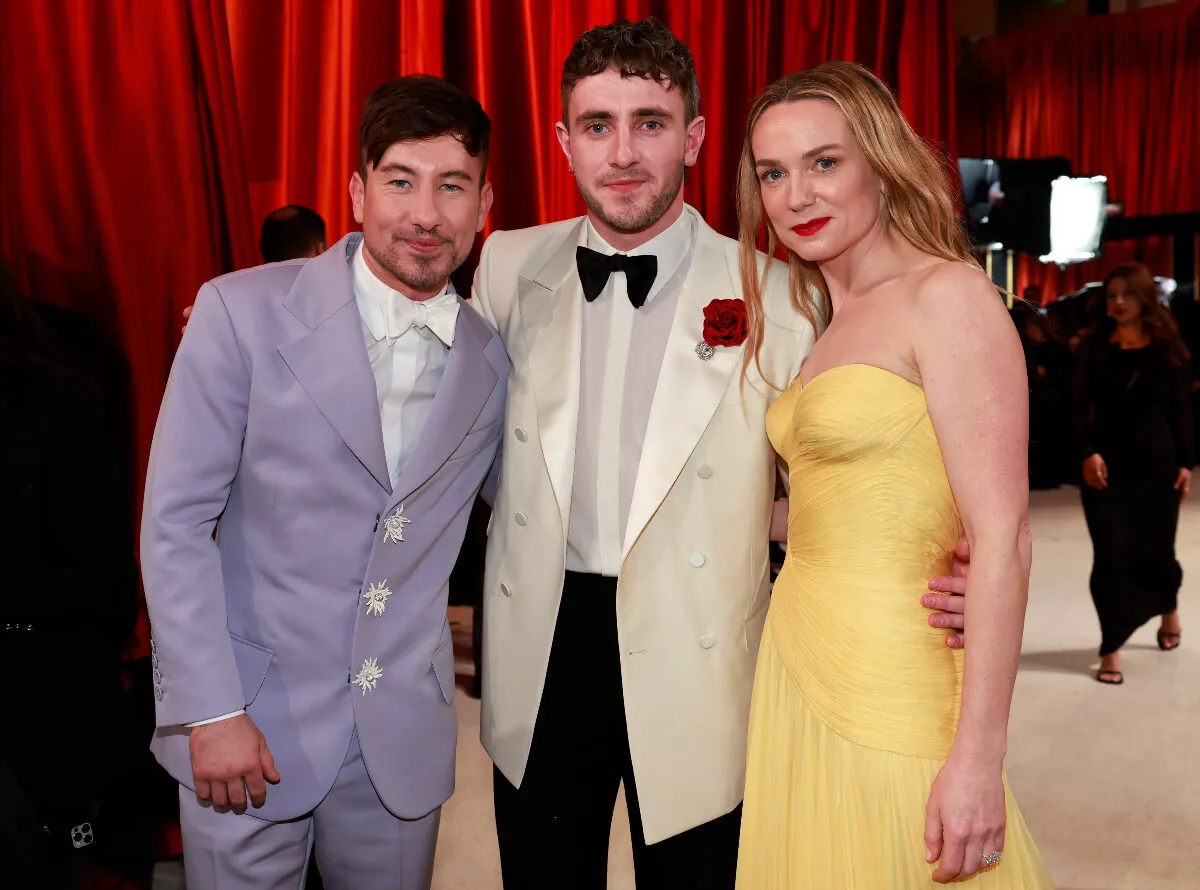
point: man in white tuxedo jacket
(627, 576)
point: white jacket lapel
(689, 388)
(551, 310)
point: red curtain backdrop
(302, 70)
(122, 185)
(141, 143)
(1118, 95)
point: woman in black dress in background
(1133, 421)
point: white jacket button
(522, 519)
(708, 641)
(705, 472)
(506, 590)
(697, 560)
(520, 434)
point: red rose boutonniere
(724, 325)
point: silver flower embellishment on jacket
(368, 675)
(376, 597)
(393, 526)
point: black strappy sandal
(1100, 675)
(1164, 638)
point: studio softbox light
(1077, 213)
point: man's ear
(695, 138)
(486, 196)
(564, 140)
(358, 196)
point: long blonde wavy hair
(921, 201)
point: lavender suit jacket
(270, 425)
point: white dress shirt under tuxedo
(622, 355)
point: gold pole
(1008, 277)
(987, 262)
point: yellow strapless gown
(856, 697)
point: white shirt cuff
(215, 719)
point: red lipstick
(810, 228)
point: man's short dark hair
(637, 49)
(291, 232)
(419, 107)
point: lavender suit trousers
(359, 844)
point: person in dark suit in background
(291, 233)
(466, 584)
(68, 602)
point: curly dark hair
(646, 49)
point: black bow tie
(595, 267)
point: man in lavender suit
(337, 417)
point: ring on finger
(990, 859)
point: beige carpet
(1108, 777)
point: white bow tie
(439, 315)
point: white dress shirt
(621, 357)
(407, 345)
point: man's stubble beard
(638, 219)
(423, 273)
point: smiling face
(420, 210)
(628, 145)
(818, 189)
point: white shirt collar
(670, 246)
(375, 300)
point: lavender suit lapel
(466, 385)
(330, 362)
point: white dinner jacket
(694, 585)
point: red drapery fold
(122, 185)
(141, 144)
(1118, 95)
(304, 68)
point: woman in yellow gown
(876, 753)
